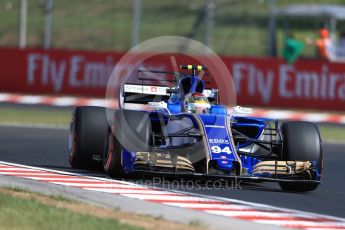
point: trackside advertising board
(267, 82)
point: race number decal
(217, 149)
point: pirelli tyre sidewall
(88, 129)
(301, 142)
(112, 156)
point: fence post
(22, 23)
(48, 23)
(272, 49)
(209, 22)
(136, 22)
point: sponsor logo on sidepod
(215, 126)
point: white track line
(164, 198)
(129, 191)
(253, 214)
(301, 223)
(210, 206)
(96, 185)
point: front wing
(202, 177)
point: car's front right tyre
(301, 142)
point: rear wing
(142, 94)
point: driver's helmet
(196, 103)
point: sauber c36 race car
(183, 131)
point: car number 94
(217, 149)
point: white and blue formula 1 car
(183, 131)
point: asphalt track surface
(48, 148)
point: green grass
(58, 197)
(15, 189)
(26, 214)
(240, 26)
(62, 198)
(35, 116)
(332, 133)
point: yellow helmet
(196, 103)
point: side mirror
(172, 90)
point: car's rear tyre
(301, 142)
(88, 130)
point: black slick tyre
(301, 142)
(88, 130)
